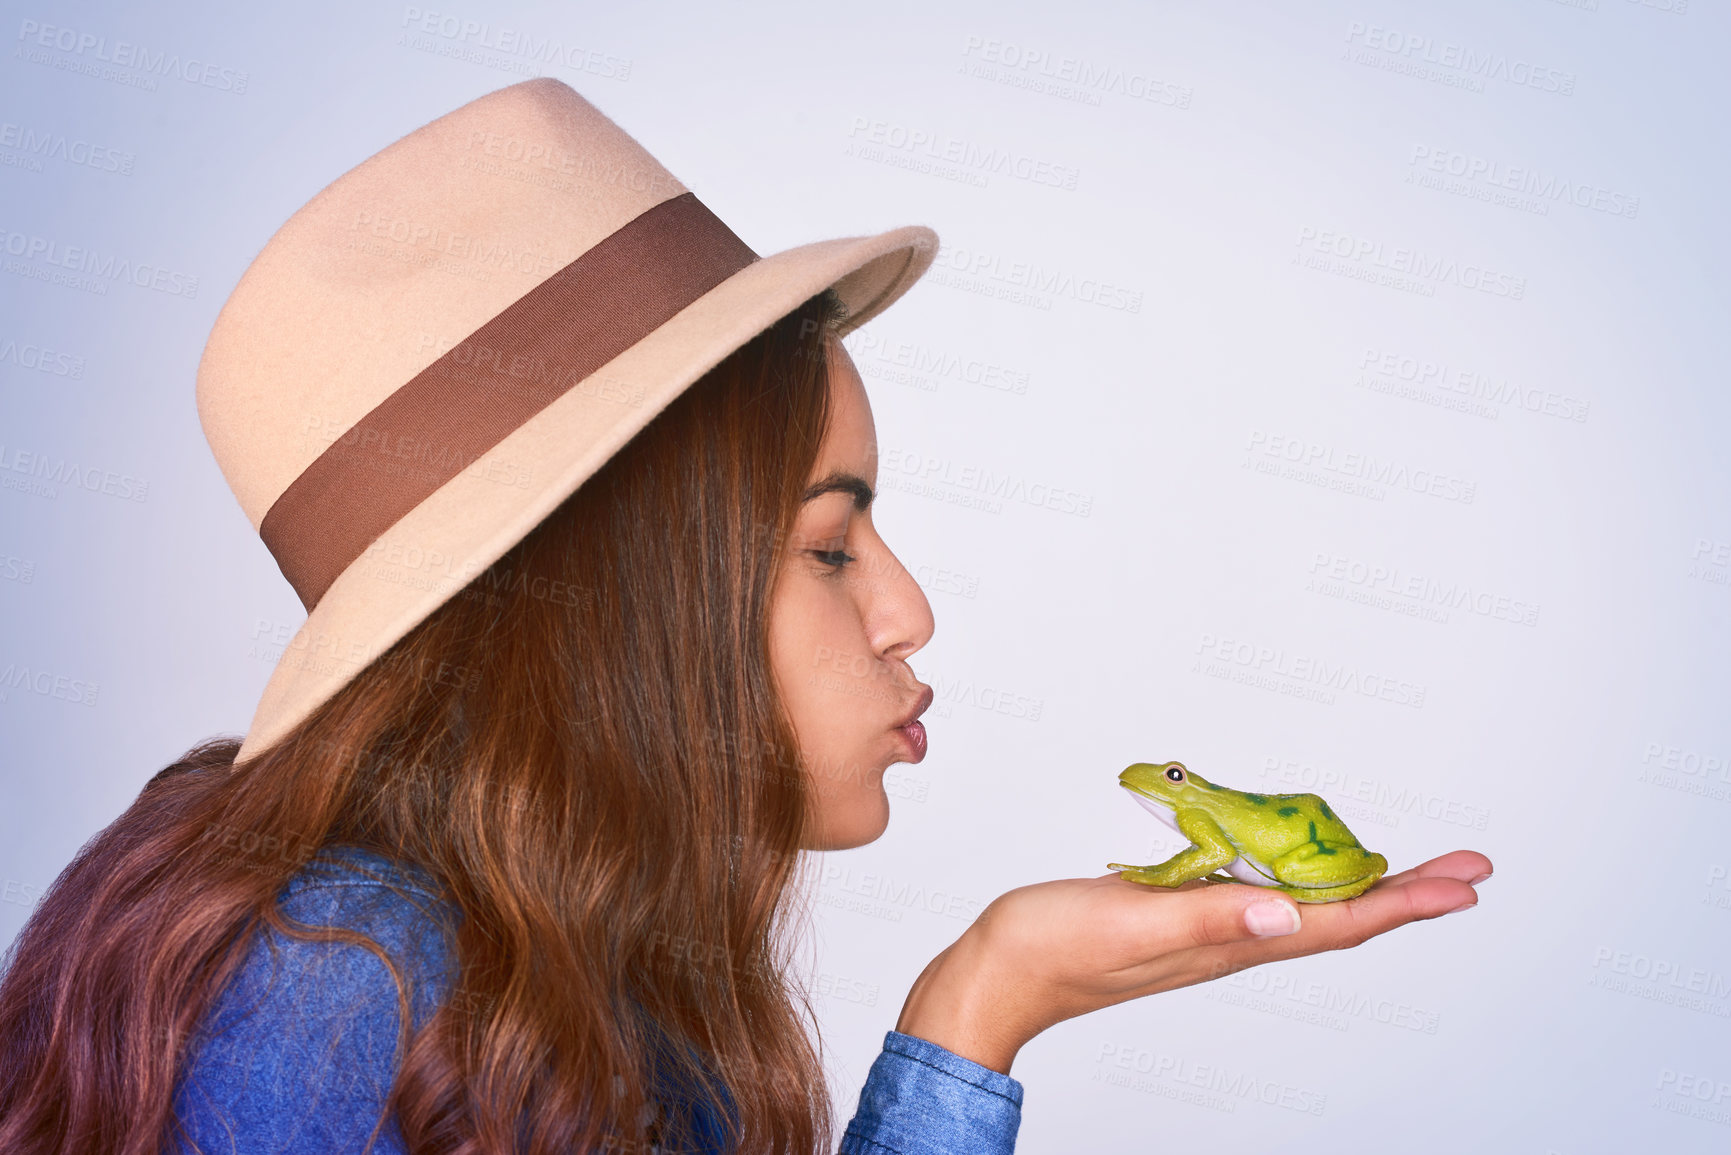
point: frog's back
(1313, 808)
(1273, 824)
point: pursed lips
(921, 705)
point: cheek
(812, 632)
(823, 667)
(817, 644)
(793, 634)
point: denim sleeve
(920, 1099)
(298, 1053)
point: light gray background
(1216, 155)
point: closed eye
(835, 558)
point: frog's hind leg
(1330, 893)
(1307, 871)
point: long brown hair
(584, 748)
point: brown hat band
(450, 413)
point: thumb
(1232, 913)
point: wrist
(959, 1005)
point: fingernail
(1479, 879)
(1271, 918)
(1465, 905)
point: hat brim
(437, 548)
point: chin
(864, 822)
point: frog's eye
(1175, 773)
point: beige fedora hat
(450, 338)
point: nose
(902, 613)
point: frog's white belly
(1242, 868)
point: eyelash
(828, 557)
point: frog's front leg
(1211, 852)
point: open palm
(1050, 951)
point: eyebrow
(842, 482)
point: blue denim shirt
(298, 1053)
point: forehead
(851, 441)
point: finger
(1382, 908)
(1341, 925)
(1468, 866)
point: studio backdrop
(1331, 396)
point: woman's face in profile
(844, 620)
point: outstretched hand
(1041, 954)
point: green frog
(1292, 843)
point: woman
(508, 859)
